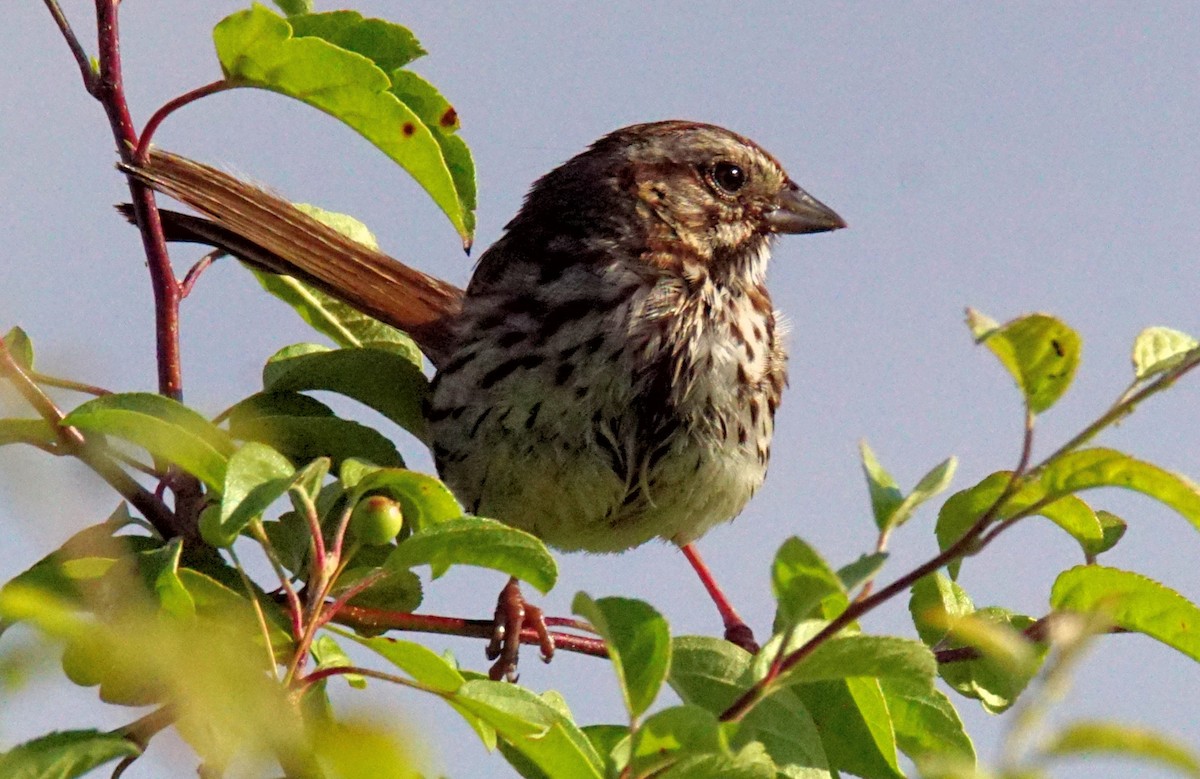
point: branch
(378, 620)
(110, 91)
(966, 544)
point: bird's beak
(796, 211)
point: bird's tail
(273, 235)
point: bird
(611, 374)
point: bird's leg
(512, 615)
(736, 630)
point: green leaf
(27, 431)
(293, 7)
(421, 663)
(707, 671)
(1008, 660)
(539, 731)
(272, 404)
(65, 754)
(800, 580)
(1089, 468)
(1133, 602)
(256, 48)
(639, 645)
(1091, 739)
(885, 492)
(52, 575)
(480, 542)
(257, 475)
(159, 569)
(930, 485)
(388, 45)
(605, 740)
(712, 673)
(1039, 351)
(889, 505)
(936, 601)
(855, 726)
(165, 428)
(307, 436)
(1114, 530)
(1159, 349)
(751, 762)
(20, 347)
(426, 502)
(345, 325)
(928, 729)
(862, 655)
(442, 120)
(962, 509)
(862, 569)
(378, 378)
(220, 602)
(328, 654)
(673, 733)
(397, 591)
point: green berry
(376, 520)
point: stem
(69, 437)
(110, 91)
(330, 611)
(295, 610)
(193, 274)
(81, 58)
(318, 538)
(960, 548)
(342, 670)
(143, 146)
(1124, 406)
(75, 443)
(258, 611)
(141, 731)
(68, 384)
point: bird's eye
(728, 176)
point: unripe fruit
(376, 520)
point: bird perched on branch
(612, 372)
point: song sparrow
(616, 365)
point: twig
(341, 670)
(68, 384)
(81, 58)
(193, 274)
(1036, 633)
(143, 147)
(75, 443)
(141, 731)
(378, 620)
(41, 402)
(964, 545)
(1124, 406)
(295, 610)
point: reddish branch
(378, 620)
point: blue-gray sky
(1012, 157)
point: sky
(1011, 157)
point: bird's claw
(513, 614)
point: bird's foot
(513, 615)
